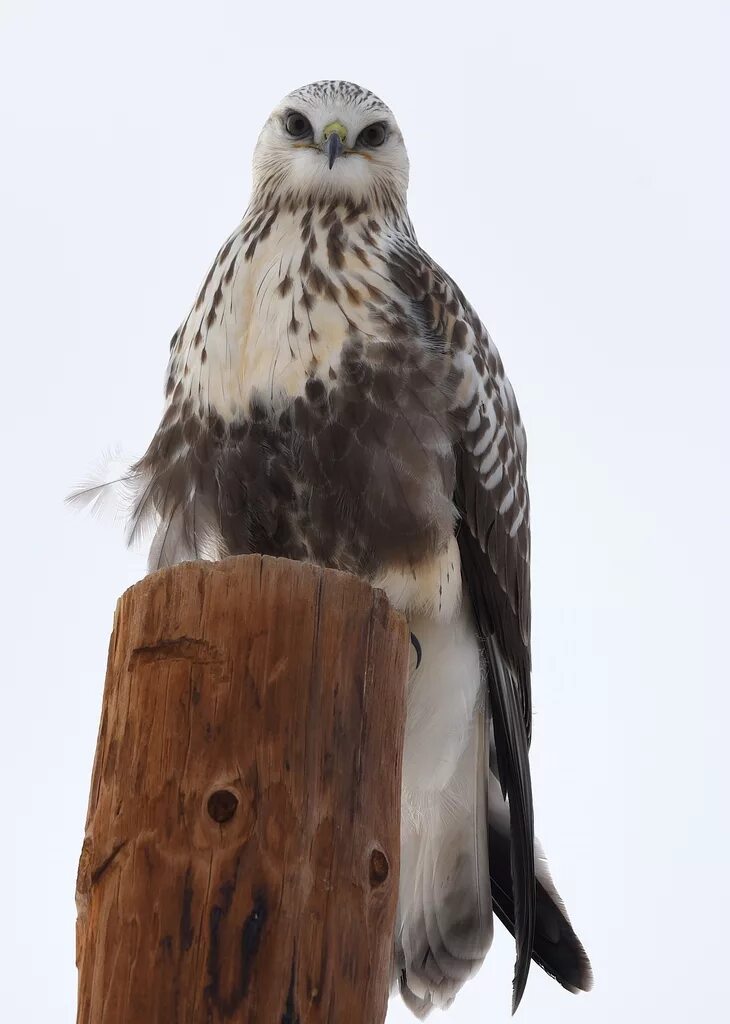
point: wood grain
(241, 853)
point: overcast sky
(570, 169)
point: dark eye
(372, 136)
(297, 126)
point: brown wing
(494, 542)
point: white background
(570, 169)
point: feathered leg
(445, 910)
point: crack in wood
(290, 1015)
(251, 936)
(249, 944)
(184, 648)
(97, 873)
(187, 933)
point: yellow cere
(335, 128)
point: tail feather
(512, 754)
(556, 947)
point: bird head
(332, 139)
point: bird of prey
(332, 396)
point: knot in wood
(379, 868)
(222, 805)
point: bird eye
(297, 126)
(372, 136)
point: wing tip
(519, 982)
(579, 977)
(512, 748)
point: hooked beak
(334, 148)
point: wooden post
(241, 854)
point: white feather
(445, 914)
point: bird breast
(302, 391)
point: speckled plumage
(332, 396)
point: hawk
(332, 396)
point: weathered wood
(241, 852)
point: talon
(417, 649)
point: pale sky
(570, 168)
